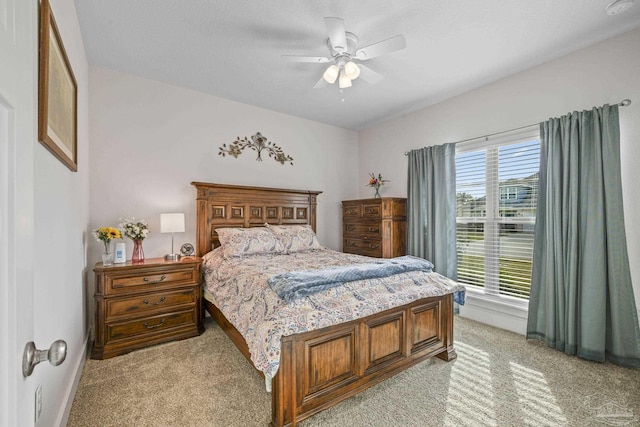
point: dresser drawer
(363, 247)
(142, 305)
(149, 325)
(372, 211)
(148, 280)
(362, 231)
(351, 211)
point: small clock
(186, 249)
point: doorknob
(32, 356)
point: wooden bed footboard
(323, 367)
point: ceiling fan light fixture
(331, 74)
(351, 70)
(344, 51)
(344, 81)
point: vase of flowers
(106, 235)
(138, 253)
(376, 182)
(136, 230)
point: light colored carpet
(499, 379)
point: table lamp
(172, 223)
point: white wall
(150, 140)
(604, 73)
(61, 201)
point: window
(496, 198)
(508, 193)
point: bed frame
(323, 367)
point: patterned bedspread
(239, 286)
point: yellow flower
(114, 233)
(106, 234)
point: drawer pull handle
(351, 211)
(372, 246)
(148, 326)
(370, 210)
(351, 227)
(153, 282)
(374, 229)
(364, 237)
(146, 301)
(351, 243)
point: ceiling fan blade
(380, 48)
(300, 58)
(321, 83)
(337, 33)
(368, 75)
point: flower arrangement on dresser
(376, 182)
(106, 235)
(136, 230)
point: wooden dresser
(138, 305)
(375, 227)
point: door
(18, 89)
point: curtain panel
(431, 207)
(582, 298)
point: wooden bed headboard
(222, 205)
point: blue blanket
(296, 284)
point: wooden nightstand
(138, 305)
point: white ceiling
(232, 48)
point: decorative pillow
(238, 242)
(295, 238)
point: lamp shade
(351, 70)
(344, 81)
(331, 74)
(172, 223)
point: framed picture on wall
(57, 93)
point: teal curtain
(582, 298)
(431, 206)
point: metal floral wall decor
(258, 143)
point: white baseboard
(495, 313)
(71, 392)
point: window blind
(496, 199)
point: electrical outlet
(38, 402)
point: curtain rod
(623, 103)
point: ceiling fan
(344, 53)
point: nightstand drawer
(155, 324)
(147, 280)
(143, 304)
